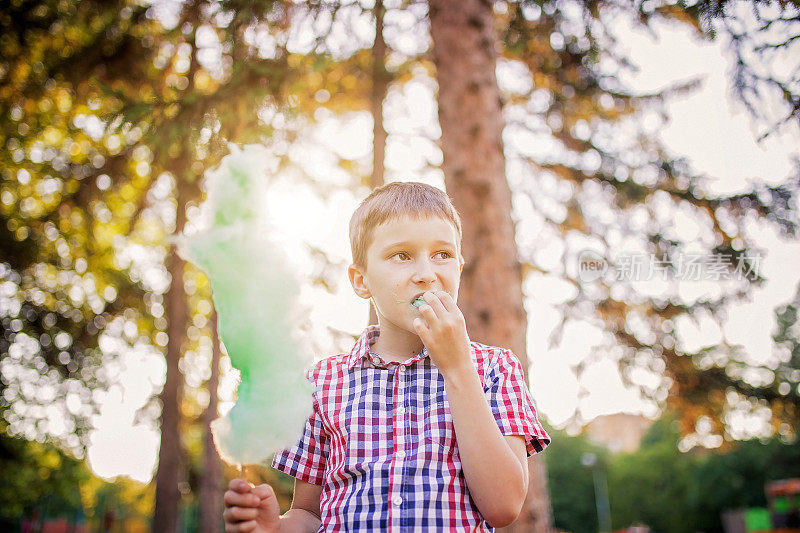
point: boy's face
(406, 258)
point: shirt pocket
(438, 432)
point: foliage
(39, 479)
(660, 486)
(59, 229)
(650, 486)
(762, 37)
(674, 491)
(98, 102)
(785, 388)
(602, 182)
(36, 475)
(737, 479)
(570, 484)
(128, 501)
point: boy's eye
(403, 254)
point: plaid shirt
(381, 441)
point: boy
(417, 428)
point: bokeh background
(647, 130)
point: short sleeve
(512, 404)
(306, 460)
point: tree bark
(470, 116)
(380, 84)
(210, 497)
(167, 505)
(166, 516)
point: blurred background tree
(660, 486)
(762, 37)
(64, 285)
(570, 483)
(34, 474)
(609, 186)
(650, 486)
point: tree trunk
(211, 491)
(167, 505)
(470, 115)
(380, 84)
(166, 516)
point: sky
(708, 127)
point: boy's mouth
(418, 301)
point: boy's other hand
(250, 509)
(444, 332)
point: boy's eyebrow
(412, 243)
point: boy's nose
(424, 272)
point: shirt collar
(361, 350)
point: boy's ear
(358, 282)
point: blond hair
(394, 200)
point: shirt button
(397, 500)
(401, 454)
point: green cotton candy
(255, 296)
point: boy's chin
(410, 327)
(401, 323)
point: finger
(242, 527)
(232, 498)
(240, 514)
(427, 311)
(422, 330)
(453, 310)
(240, 485)
(246, 527)
(435, 302)
(244, 499)
(447, 301)
(264, 492)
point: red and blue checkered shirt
(381, 443)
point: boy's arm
(495, 466)
(304, 516)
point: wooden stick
(242, 472)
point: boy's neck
(396, 345)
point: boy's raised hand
(250, 509)
(443, 331)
